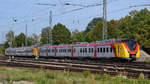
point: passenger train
(127, 49)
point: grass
(57, 77)
(147, 60)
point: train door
(43, 51)
(65, 52)
(50, 51)
(69, 52)
(99, 51)
(90, 51)
(76, 51)
(83, 51)
(59, 52)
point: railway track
(131, 69)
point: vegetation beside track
(56, 77)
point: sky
(37, 16)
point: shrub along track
(130, 69)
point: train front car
(128, 49)
(132, 48)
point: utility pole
(50, 26)
(50, 41)
(26, 42)
(104, 33)
(11, 39)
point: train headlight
(126, 50)
(123, 55)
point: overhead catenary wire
(65, 13)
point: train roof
(103, 42)
(115, 40)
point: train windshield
(131, 44)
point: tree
(19, 40)
(45, 36)
(95, 34)
(35, 38)
(77, 37)
(6, 45)
(143, 35)
(92, 24)
(113, 31)
(61, 34)
(10, 36)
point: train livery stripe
(114, 49)
(131, 52)
(72, 52)
(46, 51)
(95, 52)
(55, 52)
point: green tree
(143, 35)
(77, 37)
(95, 34)
(92, 24)
(113, 31)
(61, 34)
(19, 40)
(45, 35)
(10, 36)
(6, 44)
(2, 50)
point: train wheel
(11, 58)
(36, 57)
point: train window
(114, 49)
(89, 50)
(107, 49)
(85, 50)
(69, 50)
(80, 50)
(74, 50)
(98, 49)
(92, 50)
(52, 50)
(101, 49)
(104, 50)
(49, 50)
(110, 49)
